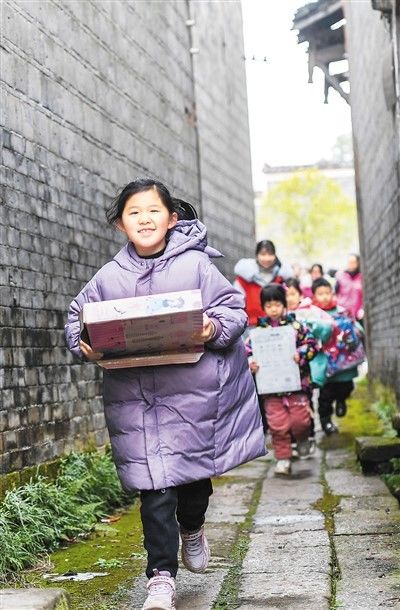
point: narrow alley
(200, 258)
(327, 538)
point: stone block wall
(376, 146)
(95, 94)
(225, 162)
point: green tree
(311, 213)
(342, 150)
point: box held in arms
(145, 331)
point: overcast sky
(289, 123)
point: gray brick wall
(223, 128)
(378, 189)
(95, 94)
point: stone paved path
(323, 539)
(273, 548)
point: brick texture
(376, 145)
(95, 94)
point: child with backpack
(344, 353)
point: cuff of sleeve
(217, 329)
(302, 355)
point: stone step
(33, 599)
(375, 450)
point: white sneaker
(161, 592)
(283, 468)
(195, 550)
(304, 448)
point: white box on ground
(145, 331)
(273, 350)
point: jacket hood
(186, 235)
(249, 270)
(246, 268)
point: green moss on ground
(228, 594)
(231, 480)
(392, 480)
(121, 541)
(361, 420)
(329, 505)
(62, 604)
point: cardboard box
(145, 331)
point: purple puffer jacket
(171, 425)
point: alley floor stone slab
(292, 561)
(359, 516)
(287, 590)
(370, 572)
(288, 561)
(346, 483)
(33, 599)
(366, 540)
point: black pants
(329, 393)
(162, 512)
(261, 407)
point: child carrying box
(173, 427)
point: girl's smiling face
(146, 220)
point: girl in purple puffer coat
(173, 427)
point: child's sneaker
(282, 468)
(161, 592)
(329, 427)
(341, 408)
(295, 453)
(303, 448)
(195, 550)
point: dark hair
(267, 245)
(184, 209)
(357, 257)
(273, 292)
(319, 267)
(114, 212)
(319, 283)
(293, 282)
(332, 272)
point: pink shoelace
(193, 542)
(160, 584)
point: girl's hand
(208, 330)
(253, 366)
(296, 357)
(89, 353)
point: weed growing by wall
(39, 516)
